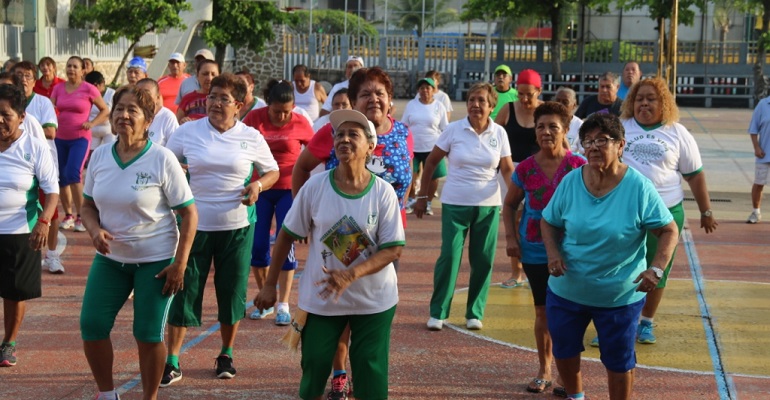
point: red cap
(529, 77)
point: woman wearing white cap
(353, 223)
(353, 64)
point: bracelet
(260, 186)
(44, 221)
(420, 197)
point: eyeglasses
(599, 142)
(221, 100)
(26, 77)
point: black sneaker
(339, 388)
(225, 369)
(170, 375)
(7, 355)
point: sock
(228, 351)
(576, 396)
(756, 211)
(10, 343)
(173, 360)
(51, 254)
(645, 319)
(282, 307)
(110, 394)
(338, 372)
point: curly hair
(669, 110)
(364, 75)
(557, 109)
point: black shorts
(537, 274)
(19, 268)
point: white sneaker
(754, 218)
(473, 324)
(435, 324)
(428, 209)
(54, 265)
(79, 226)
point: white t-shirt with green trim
(163, 126)
(344, 231)
(135, 201)
(26, 166)
(220, 165)
(41, 108)
(662, 154)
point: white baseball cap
(356, 58)
(176, 57)
(205, 53)
(339, 117)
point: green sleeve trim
(50, 125)
(294, 235)
(87, 197)
(183, 205)
(696, 172)
(392, 244)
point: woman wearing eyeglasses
(193, 104)
(285, 132)
(594, 230)
(221, 153)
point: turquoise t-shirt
(604, 238)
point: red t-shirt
(169, 88)
(194, 105)
(41, 90)
(285, 142)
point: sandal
(540, 385)
(560, 391)
(511, 283)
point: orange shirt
(169, 88)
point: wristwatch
(706, 213)
(658, 272)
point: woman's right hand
(556, 267)
(101, 241)
(512, 248)
(266, 298)
(419, 207)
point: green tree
(409, 14)
(763, 44)
(241, 23)
(130, 19)
(329, 21)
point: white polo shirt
(164, 124)
(662, 154)
(135, 200)
(220, 166)
(426, 122)
(344, 231)
(472, 163)
(27, 165)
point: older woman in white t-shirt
(353, 221)
(471, 201)
(426, 117)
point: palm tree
(421, 14)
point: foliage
(330, 21)
(130, 19)
(241, 23)
(601, 51)
(486, 10)
(663, 8)
(409, 14)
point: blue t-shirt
(603, 245)
(760, 125)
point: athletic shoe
(283, 318)
(410, 202)
(428, 209)
(99, 396)
(79, 226)
(594, 342)
(339, 388)
(7, 355)
(225, 369)
(54, 265)
(435, 324)
(170, 375)
(473, 324)
(68, 222)
(257, 314)
(409, 210)
(644, 333)
(754, 218)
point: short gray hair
(610, 76)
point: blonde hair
(484, 86)
(668, 108)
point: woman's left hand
(649, 281)
(174, 275)
(708, 223)
(39, 236)
(250, 194)
(335, 283)
(556, 267)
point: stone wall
(265, 66)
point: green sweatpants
(457, 222)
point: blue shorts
(72, 158)
(616, 326)
(271, 202)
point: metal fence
(63, 43)
(10, 40)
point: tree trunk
(219, 56)
(759, 65)
(123, 62)
(661, 46)
(722, 45)
(556, 43)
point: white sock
(643, 318)
(51, 254)
(283, 307)
(109, 395)
(756, 211)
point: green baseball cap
(503, 68)
(429, 81)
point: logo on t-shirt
(648, 150)
(244, 145)
(142, 181)
(347, 241)
(493, 143)
(27, 156)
